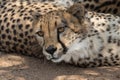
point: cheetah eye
(40, 33)
(61, 29)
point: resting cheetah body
(102, 6)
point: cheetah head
(59, 29)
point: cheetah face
(58, 30)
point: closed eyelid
(64, 21)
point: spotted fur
(102, 6)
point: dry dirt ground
(19, 67)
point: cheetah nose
(51, 49)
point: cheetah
(95, 43)
(79, 37)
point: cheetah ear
(78, 11)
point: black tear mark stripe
(62, 44)
(49, 29)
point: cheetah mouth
(59, 55)
(53, 58)
(57, 59)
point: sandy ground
(19, 67)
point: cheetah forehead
(51, 19)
